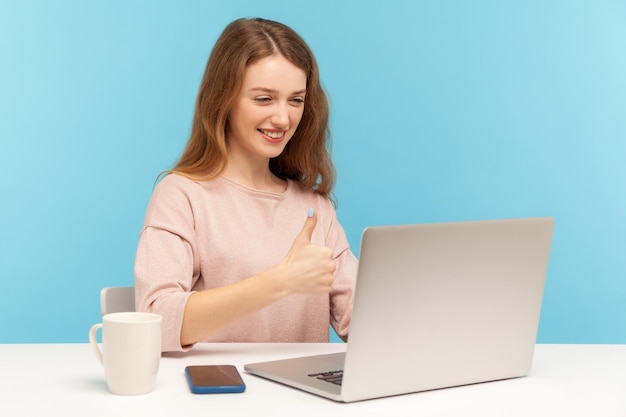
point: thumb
(309, 226)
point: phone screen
(209, 379)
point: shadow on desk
(280, 350)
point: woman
(240, 241)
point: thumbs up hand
(308, 268)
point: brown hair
(306, 158)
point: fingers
(309, 226)
(309, 268)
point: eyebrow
(274, 91)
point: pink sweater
(201, 235)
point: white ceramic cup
(131, 351)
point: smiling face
(267, 110)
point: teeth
(273, 135)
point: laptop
(435, 306)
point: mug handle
(94, 343)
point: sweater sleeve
(164, 263)
(342, 290)
(342, 293)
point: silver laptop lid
(448, 304)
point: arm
(307, 269)
(342, 292)
(171, 276)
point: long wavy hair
(306, 158)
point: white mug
(131, 351)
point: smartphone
(214, 379)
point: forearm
(210, 310)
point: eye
(298, 100)
(263, 99)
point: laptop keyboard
(334, 377)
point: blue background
(441, 111)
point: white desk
(67, 380)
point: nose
(280, 118)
